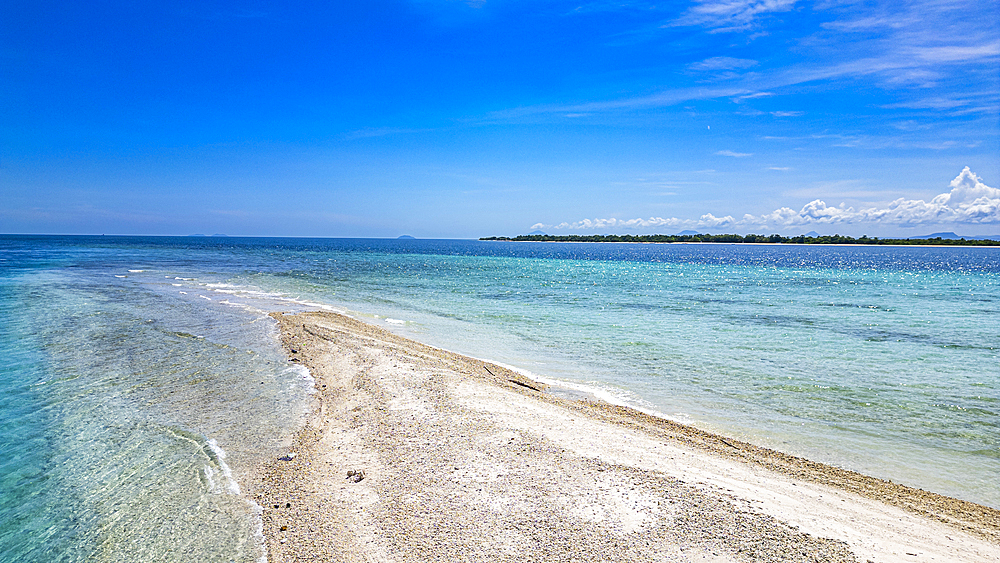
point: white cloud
(958, 53)
(859, 25)
(723, 63)
(730, 15)
(753, 96)
(937, 102)
(619, 223)
(733, 153)
(969, 201)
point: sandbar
(413, 453)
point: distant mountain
(405, 237)
(219, 235)
(952, 236)
(683, 233)
(537, 232)
(948, 235)
(811, 234)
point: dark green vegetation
(776, 239)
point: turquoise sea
(142, 379)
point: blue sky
(464, 119)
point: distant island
(752, 239)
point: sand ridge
(418, 454)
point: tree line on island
(753, 239)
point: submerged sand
(418, 454)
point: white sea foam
(117, 276)
(323, 306)
(249, 308)
(177, 284)
(229, 484)
(207, 470)
(395, 321)
(258, 532)
(137, 271)
(609, 395)
(606, 394)
(204, 297)
(310, 304)
(304, 374)
(277, 298)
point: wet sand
(414, 453)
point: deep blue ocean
(142, 379)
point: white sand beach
(418, 454)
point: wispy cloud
(604, 6)
(730, 15)
(662, 99)
(733, 154)
(941, 102)
(969, 202)
(723, 63)
(753, 96)
(767, 85)
(371, 132)
(928, 46)
(859, 25)
(957, 53)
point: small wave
(614, 396)
(305, 375)
(255, 294)
(206, 470)
(218, 455)
(137, 271)
(117, 276)
(258, 532)
(252, 293)
(248, 308)
(395, 321)
(322, 306)
(203, 297)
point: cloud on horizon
(969, 202)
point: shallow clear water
(134, 363)
(128, 416)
